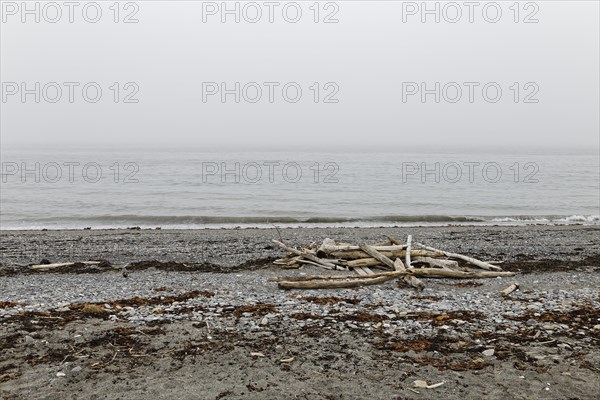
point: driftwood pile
(407, 261)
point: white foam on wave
(589, 219)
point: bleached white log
(408, 248)
(436, 262)
(471, 260)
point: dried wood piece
(303, 261)
(323, 263)
(474, 261)
(51, 266)
(327, 243)
(509, 289)
(444, 273)
(436, 262)
(364, 262)
(370, 250)
(393, 240)
(408, 248)
(420, 272)
(58, 265)
(368, 271)
(355, 254)
(287, 260)
(329, 246)
(304, 278)
(363, 271)
(292, 266)
(334, 284)
(398, 266)
(411, 280)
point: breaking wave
(199, 222)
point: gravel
(547, 330)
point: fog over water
(186, 114)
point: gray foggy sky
(368, 54)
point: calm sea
(186, 188)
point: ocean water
(196, 188)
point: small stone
(76, 369)
(264, 321)
(29, 339)
(60, 374)
(488, 352)
(597, 327)
(550, 327)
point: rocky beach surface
(192, 314)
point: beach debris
(509, 290)
(420, 261)
(424, 385)
(435, 385)
(474, 261)
(46, 265)
(52, 266)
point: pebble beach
(193, 314)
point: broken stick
(370, 250)
(322, 263)
(58, 265)
(409, 279)
(471, 260)
(436, 262)
(408, 248)
(509, 290)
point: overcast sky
(367, 57)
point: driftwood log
(356, 254)
(474, 261)
(329, 246)
(409, 279)
(352, 281)
(408, 249)
(58, 265)
(436, 262)
(335, 284)
(424, 272)
(509, 290)
(377, 255)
